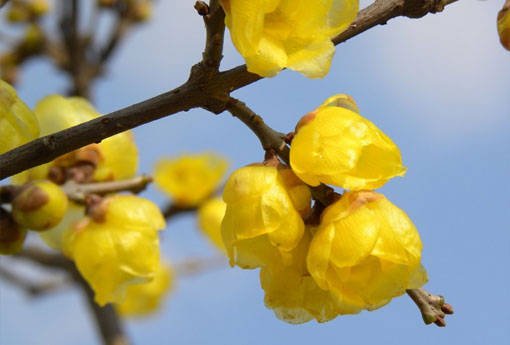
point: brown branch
(211, 94)
(31, 288)
(107, 321)
(172, 210)
(121, 28)
(77, 192)
(215, 30)
(432, 307)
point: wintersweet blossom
(262, 222)
(18, 124)
(335, 145)
(116, 245)
(146, 298)
(190, 179)
(366, 251)
(295, 34)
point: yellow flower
(117, 247)
(295, 34)
(39, 206)
(293, 294)
(366, 251)
(335, 145)
(190, 179)
(12, 235)
(54, 236)
(146, 298)
(18, 124)
(504, 25)
(210, 215)
(261, 223)
(115, 158)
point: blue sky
(438, 86)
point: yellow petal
(210, 215)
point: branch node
(202, 8)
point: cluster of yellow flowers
(360, 253)
(112, 240)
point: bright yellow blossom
(54, 236)
(366, 251)
(504, 25)
(117, 247)
(40, 205)
(295, 34)
(335, 145)
(146, 298)
(190, 179)
(18, 124)
(115, 158)
(261, 223)
(292, 293)
(210, 215)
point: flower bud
(12, 235)
(146, 298)
(210, 215)
(40, 205)
(335, 145)
(261, 223)
(122, 230)
(504, 25)
(18, 13)
(18, 125)
(190, 179)
(142, 10)
(366, 251)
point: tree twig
(77, 192)
(107, 321)
(211, 94)
(31, 288)
(432, 307)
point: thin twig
(433, 308)
(172, 210)
(31, 288)
(77, 192)
(107, 321)
(196, 266)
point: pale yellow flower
(18, 125)
(366, 251)
(335, 145)
(261, 223)
(295, 34)
(210, 215)
(146, 298)
(190, 179)
(118, 248)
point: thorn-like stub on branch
(202, 8)
(419, 8)
(96, 207)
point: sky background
(438, 86)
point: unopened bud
(38, 7)
(11, 234)
(39, 206)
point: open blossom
(117, 245)
(18, 124)
(292, 293)
(146, 298)
(295, 34)
(262, 222)
(366, 251)
(114, 158)
(335, 145)
(190, 179)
